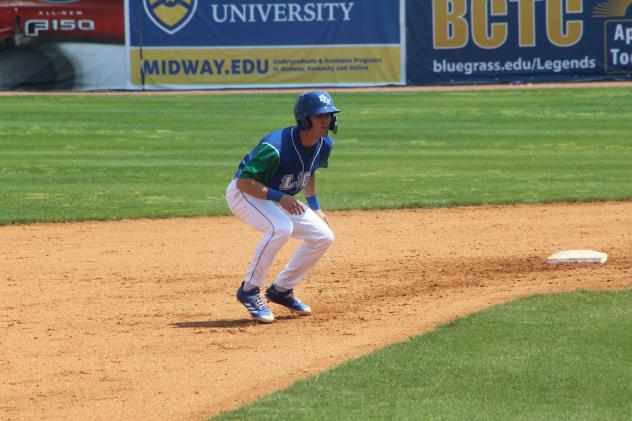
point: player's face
(320, 123)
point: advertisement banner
(468, 41)
(62, 44)
(189, 44)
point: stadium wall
(210, 44)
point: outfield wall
(244, 44)
(210, 44)
(481, 41)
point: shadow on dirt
(222, 323)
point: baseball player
(262, 194)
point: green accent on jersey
(263, 164)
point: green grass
(77, 157)
(563, 357)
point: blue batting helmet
(315, 103)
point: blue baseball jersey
(280, 161)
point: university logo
(325, 100)
(170, 15)
(611, 8)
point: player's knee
(282, 232)
(329, 237)
(326, 238)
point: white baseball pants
(278, 226)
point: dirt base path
(137, 319)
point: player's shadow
(222, 323)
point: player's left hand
(322, 216)
(291, 205)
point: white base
(577, 256)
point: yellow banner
(266, 66)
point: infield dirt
(137, 319)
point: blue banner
(209, 43)
(208, 23)
(469, 41)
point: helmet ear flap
(304, 123)
(333, 126)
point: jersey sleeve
(262, 165)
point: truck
(24, 21)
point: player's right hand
(291, 205)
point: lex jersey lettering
(280, 161)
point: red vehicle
(72, 20)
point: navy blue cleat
(254, 304)
(288, 300)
